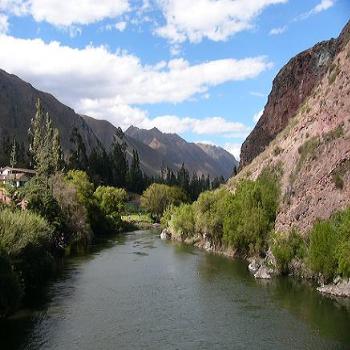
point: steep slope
(175, 151)
(226, 160)
(313, 150)
(151, 160)
(17, 107)
(291, 87)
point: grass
(334, 134)
(138, 218)
(333, 73)
(339, 172)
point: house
(16, 176)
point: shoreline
(265, 268)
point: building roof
(19, 170)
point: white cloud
(3, 23)
(96, 73)
(320, 7)
(234, 149)
(257, 116)
(216, 20)
(324, 5)
(257, 94)
(121, 26)
(277, 31)
(63, 13)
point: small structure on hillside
(15, 176)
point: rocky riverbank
(266, 268)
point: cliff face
(291, 87)
(313, 149)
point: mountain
(174, 150)
(17, 108)
(295, 82)
(308, 137)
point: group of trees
(63, 211)
(241, 220)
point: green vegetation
(333, 73)
(251, 214)
(286, 247)
(182, 222)
(339, 172)
(334, 134)
(241, 221)
(158, 197)
(329, 243)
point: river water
(138, 292)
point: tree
(110, 199)
(78, 159)
(135, 176)
(158, 197)
(118, 162)
(45, 148)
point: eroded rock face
(293, 84)
(339, 288)
(313, 151)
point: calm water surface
(137, 292)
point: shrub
(322, 251)
(252, 212)
(209, 211)
(21, 229)
(157, 197)
(182, 222)
(27, 239)
(285, 247)
(110, 199)
(329, 246)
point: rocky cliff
(312, 147)
(291, 87)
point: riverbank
(266, 267)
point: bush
(322, 251)
(209, 211)
(110, 199)
(157, 197)
(20, 229)
(182, 221)
(285, 247)
(329, 246)
(251, 213)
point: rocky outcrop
(313, 151)
(339, 288)
(291, 87)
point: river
(138, 292)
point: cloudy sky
(201, 68)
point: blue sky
(200, 68)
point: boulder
(263, 272)
(165, 234)
(341, 288)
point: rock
(263, 273)
(165, 235)
(341, 289)
(207, 246)
(254, 265)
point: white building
(17, 176)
